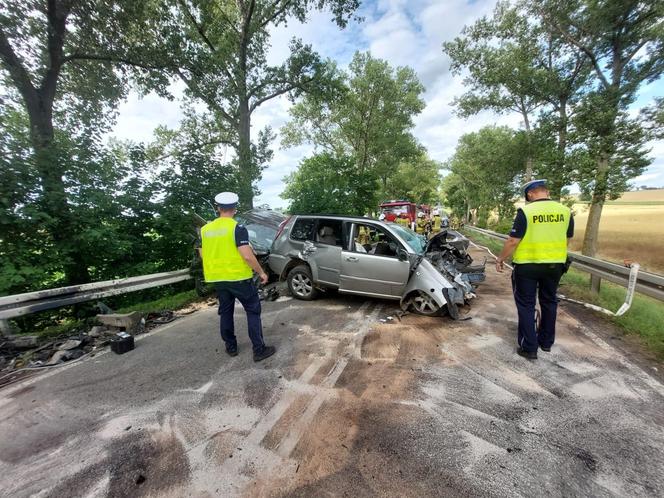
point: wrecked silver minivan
(365, 256)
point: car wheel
(301, 283)
(423, 304)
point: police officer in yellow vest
(539, 242)
(228, 261)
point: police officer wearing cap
(538, 241)
(228, 261)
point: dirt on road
(350, 406)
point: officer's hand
(499, 265)
(264, 278)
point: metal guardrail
(32, 302)
(649, 284)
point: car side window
(303, 229)
(374, 240)
(329, 232)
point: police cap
(226, 200)
(533, 184)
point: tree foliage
(364, 123)
(624, 43)
(417, 179)
(368, 117)
(221, 57)
(325, 183)
(484, 173)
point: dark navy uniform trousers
(529, 282)
(245, 292)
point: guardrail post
(5, 328)
(594, 283)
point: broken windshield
(415, 241)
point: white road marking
(288, 443)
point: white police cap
(226, 200)
(534, 184)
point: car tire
(423, 304)
(301, 283)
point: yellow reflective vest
(222, 262)
(436, 223)
(545, 240)
(404, 222)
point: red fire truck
(403, 209)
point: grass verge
(171, 302)
(644, 318)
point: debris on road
(22, 341)
(69, 344)
(122, 343)
(160, 318)
(128, 321)
(34, 352)
(268, 293)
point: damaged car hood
(446, 255)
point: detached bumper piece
(122, 343)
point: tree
(48, 55)
(624, 42)
(500, 57)
(486, 169)
(327, 184)
(417, 179)
(369, 117)
(223, 62)
(107, 194)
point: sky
(402, 32)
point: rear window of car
(303, 229)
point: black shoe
(266, 353)
(531, 355)
(548, 350)
(231, 351)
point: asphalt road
(349, 406)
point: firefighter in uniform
(538, 241)
(228, 261)
(363, 236)
(421, 223)
(437, 221)
(403, 221)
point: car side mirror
(402, 254)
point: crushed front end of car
(443, 276)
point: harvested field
(633, 232)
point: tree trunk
(245, 163)
(54, 196)
(590, 238)
(246, 166)
(529, 157)
(556, 183)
